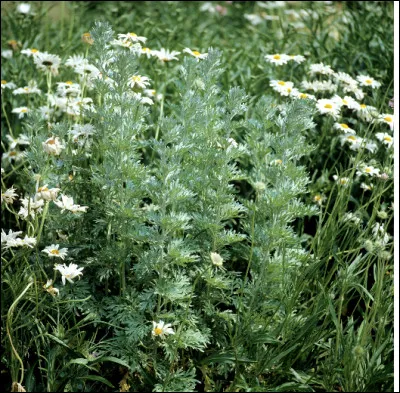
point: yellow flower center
(302, 95)
(388, 119)
(368, 170)
(157, 331)
(55, 252)
(278, 161)
(343, 125)
(146, 50)
(24, 110)
(34, 50)
(132, 34)
(387, 139)
(317, 198)
(136, 78)
(344, 102)
(343, 181)
(363, 106)
(196, 53)
(86, 35)
(68, 83)
(328, 106)
(352, 138)
(26, 88)
(40, 189)
(51, 142)
(282, 83)
(277, 57)
(289, 90)
(3, 82)
(368, 81)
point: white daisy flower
(75, 61)
(297, 58)
(12, 240)
(385, 138)
(69, 272)
(364, 80)
(354, 141)
(282, 87)
(54, 251)
(138, 81)
(9, 195)
(344, 127)
(30, 89)
(386, 118)
(131, 37)
(328, 107)
(7, 85)
(5, 238)
(153, 93)
(21, 140)
(318, 86)
(277, 59)
(195, 53)
(30, 52)
(161, 329)
(216, 259)
(165, 55)
(13, 155)
(366, 187)
(30, 207)
(321, 68)
(21, 111)
(67, 203)
(342, 181)
(367, 112)
(87, 70)
(53, 146)
(75, 106)
(47, 62)
(68, 89)
(48, 194)
(303, 95)
(344, 78)
(319, 199)
(368, 170)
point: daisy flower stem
(9, 323)
(13, 170)
(45, 210)
(159, 119)
(5, 115)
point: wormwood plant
(192, 274)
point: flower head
(53, 251)
(69, 272)
(364, 80)
(138, 81)
(53, 146)
(277, 59)
(216, 259)
(9, 195)
(161, 329)
(21, 111)
(385, 138)
(47, 62)
(165, 55)
(195, 53)
(329, 107)
(67, 203)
